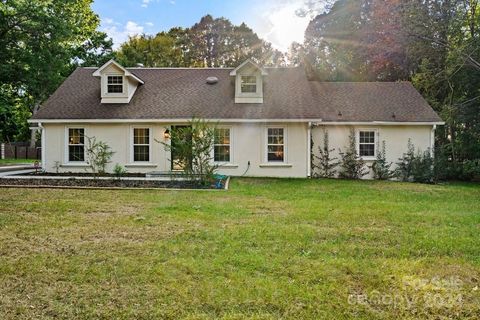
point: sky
(278, 21)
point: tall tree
(209, 43)
(41, 41)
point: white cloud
(119, 33)
(149, 24)
(145, 3)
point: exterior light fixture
(166, 134)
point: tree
(209, 43)
(404, 167)
(40, 44)
(435, 44)
(193, 148)
(151, 51)
(98, 155)
(326, 164)
(380, 167)
(351, 165)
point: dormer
(117, 84)
(248, 82)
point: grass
(16, 161)
(266, 249)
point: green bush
(119, 171)
(380, 167)
(404, 167)
(471, 169)
(324, 162)
(351, 165)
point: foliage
(98, 155)
(423, 170)
(380, 167)
(209, 43)
(119, 171)
(326, 164)
(418, 166)
(193, 149)
(434, 44)
(41, 43)
(351, 165)
(404, 167)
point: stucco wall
(395, 137)
(248, 144)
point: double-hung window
(221, 145)
(366, 143)
(275, 144)
(76, 144)
(248, 84)
(141, 144)
(115, 84)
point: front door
(182, 132)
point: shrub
(351, 165)
(98, 155)
(423, 170)
(193, 146)
(471, 169)
(119, 171)
(326, 164)
(380, 167)
(405, 165)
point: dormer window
(249, 78)
(115, 84)
(248, 84)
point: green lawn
(266, 249)
(15, 161)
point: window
(248, 84)
(76, 144)
(115, 84)
(141, 144)
(275, 144)
(366, 143)
(221, 145)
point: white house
(268, 117)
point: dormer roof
(98, 72)
(248, 61)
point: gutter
(309, 152)
(43, 139)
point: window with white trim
(248, 84)
(275, 145)
(76, 144)
(141, 144)
(221, 145)
(115, 84)
(366, 143)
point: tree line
(433, 43)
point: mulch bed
(103, 183)
(83, 174)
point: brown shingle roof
(184, 93)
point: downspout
(309, 148)
(432, 140)
(43, 146)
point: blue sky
(277, 21)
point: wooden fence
(19, 151)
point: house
(268, 118)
